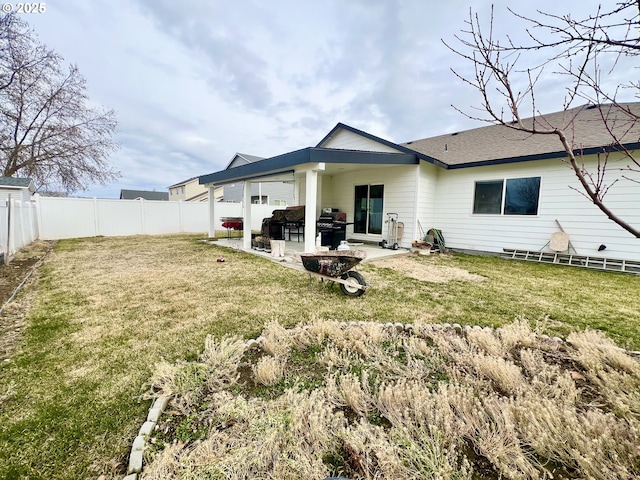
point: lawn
(103, 312)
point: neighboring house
(270, 193)
(19, 188)
(191, 191)
(486, 189)
(145, 194)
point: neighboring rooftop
(184, 182)
(583, 126)
(146, 194)
(13, 182)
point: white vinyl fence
(61, 218)
(18, 224)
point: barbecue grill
(332, 227)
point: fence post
(96, 217)
(32, 234)
(23, 241)
(39, 215)
(7, 252)
(142, 215)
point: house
(19, 188)
(267, 192)
(191, 191)
(486, 189)
(144, 194)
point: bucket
(343, 245)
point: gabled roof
(244, 159)
(399, 147)
(496, 144)
(12, 182)
(146, 194)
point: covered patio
(313, 171)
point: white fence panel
(117, 218)
(61, 218)
(159, 218)
(19, 220)
(85, 217)
(195, 216)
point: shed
(20, 188)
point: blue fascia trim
(287, 161)
(546, 156)
(271, 165)
(329, 155)
(401, 148)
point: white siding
(399, 197)
(237, 162)
(346, 140)
(22, 194)
(426, 204)
(586, 225)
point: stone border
(159, 405)
(137, 449)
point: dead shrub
(276, 340)
(435, 405)
(185, 382)
(268, 370)
(486, 342)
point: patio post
(246, 220)
(311, 202)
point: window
(488, 197)
(522, 195)
(369, 200)
(513, 196)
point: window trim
(503, 200)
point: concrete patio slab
(293, 248)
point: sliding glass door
(368, 209)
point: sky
(193, 82)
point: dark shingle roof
(583, 126)
(15, 182)
(250, 158)
(146, 194)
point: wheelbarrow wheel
(353, 278)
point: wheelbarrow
(336, 266)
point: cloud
(193, 82)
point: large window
(369, 201)
(513, 196)
(488, 197)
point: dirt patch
(428, 272)
(13, 312)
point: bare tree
(581, 52)
(48, 129)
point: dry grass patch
(429, 272)
(432, 404)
